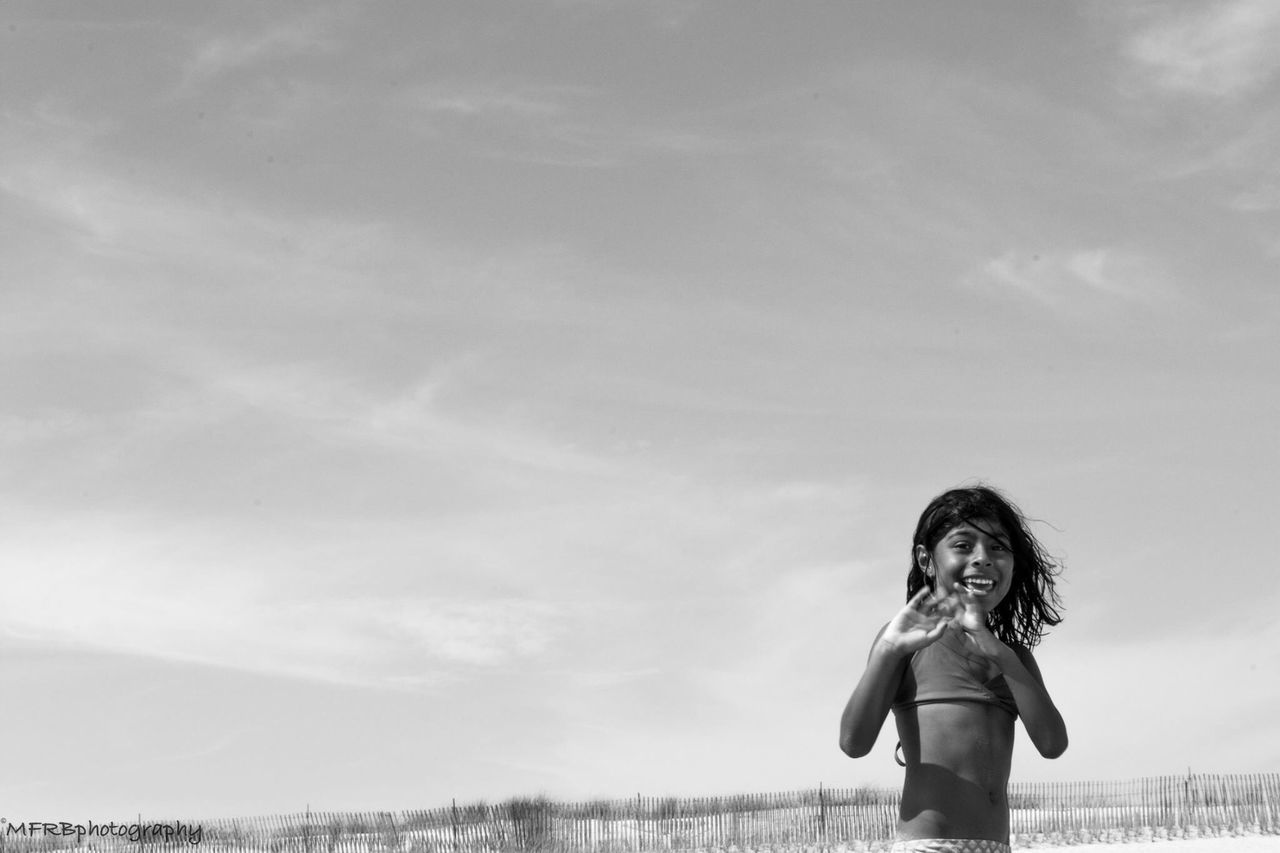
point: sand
(1217, 844)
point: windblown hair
(1032, 602)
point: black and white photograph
(639, 426)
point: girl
(955, 666)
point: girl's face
(974, 555)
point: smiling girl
(955, 666)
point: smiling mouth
(978, 585)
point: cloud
(160, 305)
(1220, 50)
(135, 585)
(309, 34)
(550, 124)
(1261, 198)
(522, 122)
(519, 101)
(416, 602)
(93, 210)
(423, 517)
(484, 548)
(1056, 278)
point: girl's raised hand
(970, 621)
(920, 623)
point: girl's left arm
(1039, 715)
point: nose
(980, 557)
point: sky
(402, 403)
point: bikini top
(939, 673)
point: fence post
(822, 815)
(1169, 805)
(393, 836)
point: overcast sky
(402, 402)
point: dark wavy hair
(1032, 602)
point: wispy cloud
(312, 33)
(549, 124)
(414, 603)
(516, 100)
(134, 585)
(523, 502)
(1223, 50)
(1261, 198)
(1055, 278)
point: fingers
(928, 604)
(918, 598)
(946, 604)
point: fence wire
(825, 819)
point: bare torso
(958, 756)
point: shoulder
(1022, 652)
(1027, 659)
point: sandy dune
(1221, 844)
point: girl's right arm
(917, 625)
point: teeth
(979, 583)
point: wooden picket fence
(858, 819)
